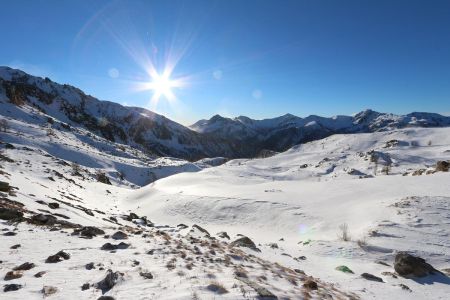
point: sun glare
(161, 85)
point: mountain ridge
(239, 137)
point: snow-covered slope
(137, 127)
(383, 185)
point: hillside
(185, 236)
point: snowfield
(179, 220)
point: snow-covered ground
(382, 185)
(302, 196)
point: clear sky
(239, 57)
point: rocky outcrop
(410, 266)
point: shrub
(343, 234)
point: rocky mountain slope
(136, 127)
(158, 136)
(279, 134)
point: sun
(162, 85)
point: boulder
(4, 187)
(53, 205)
(310, 284)
(442, 166)
(119, 235)
(58, 257)
(410, 266)
(10, 214)
(11, 287)
(109, 281)
(88, 231)
(25, 267)
(244, 242)
(109, 246)
(41, 219)
(13, 275)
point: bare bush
(343, 234)
(362, 242)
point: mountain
(137, 127)
(156, 135)
(281, 133)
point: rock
(41, 219)
(389, 274)
(109, 281)
(89, 266)
(201, 229)
(131, 216)
(109, 246)
(371, 277)
(182, 226)
(119, 235)
(88, 231)
(15, 246)
(39, 274)
(53, 205)
(344, 269)
(405, 287)
(10, 233)
(310, 284)
(25, 267)
(11, 287)
(380, 262)
(63, 254)
(146, 275)
(409, 266)
(223, 235)
(106, 298)
(4, 187)
(48, 290)
(244, 242)
(10, 214)
(273, 245)
(60, 256)
(217, 288)
(85, 286)
(13, 275)
(442, 166)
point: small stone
(85, 286)
(53, 205)
(11, 287)
(371, 277)
(15, 246)
(405, 287)
(48, 290)
(106, 298)
(25, 267)
(13, 275)
(146, 275)
(39, 274)
(10, 233)
(310, 284)
(89, 266)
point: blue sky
(256, 58)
